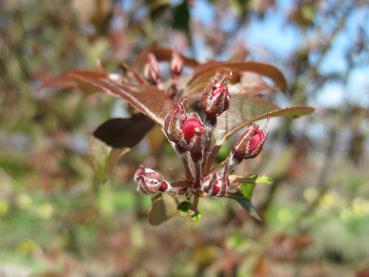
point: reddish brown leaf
(203, 73)
(162, 54)
(254, 85)
(67, 79)
(149, 100)
(245, 110)
(124, 132)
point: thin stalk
(198, 173)
(186, 165)
(206, 163)
(195, 202)
(210, 158)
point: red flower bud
(249, 144)
(152, 69)
(150, 182)
(176, 65)
(216, 184)
(185, 129)
(215, 99)
(194, 133)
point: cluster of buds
(216, 183)
(152, 70)
(190, 134)
(152, 74)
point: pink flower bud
(193, 133)
(249, 144)
(185, 129)
(216, 184)
(152, 69)
(176, 65)
(215, 99)
(150, 182)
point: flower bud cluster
(190, 134)
(216, 183)
(152, 70)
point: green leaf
(247, 189)
(103, 158)
(181, 17)
(203, 255)
(246, 204)
(184, 208)
(163, 208)
(196, 217)
(224, 152)
(264, 180)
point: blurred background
(57, 220)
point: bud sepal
(151, 182)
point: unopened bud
(215, 99)
(152, 69)
(216, 184)
(185, 129)
(176, 65)
(150, 182)
(173, 121)
(249, 144)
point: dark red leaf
(67, 79)
(254, 85)
(124, 132)
(204, 72)
(149, 100)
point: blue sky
(271, 40)
(280, 40)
